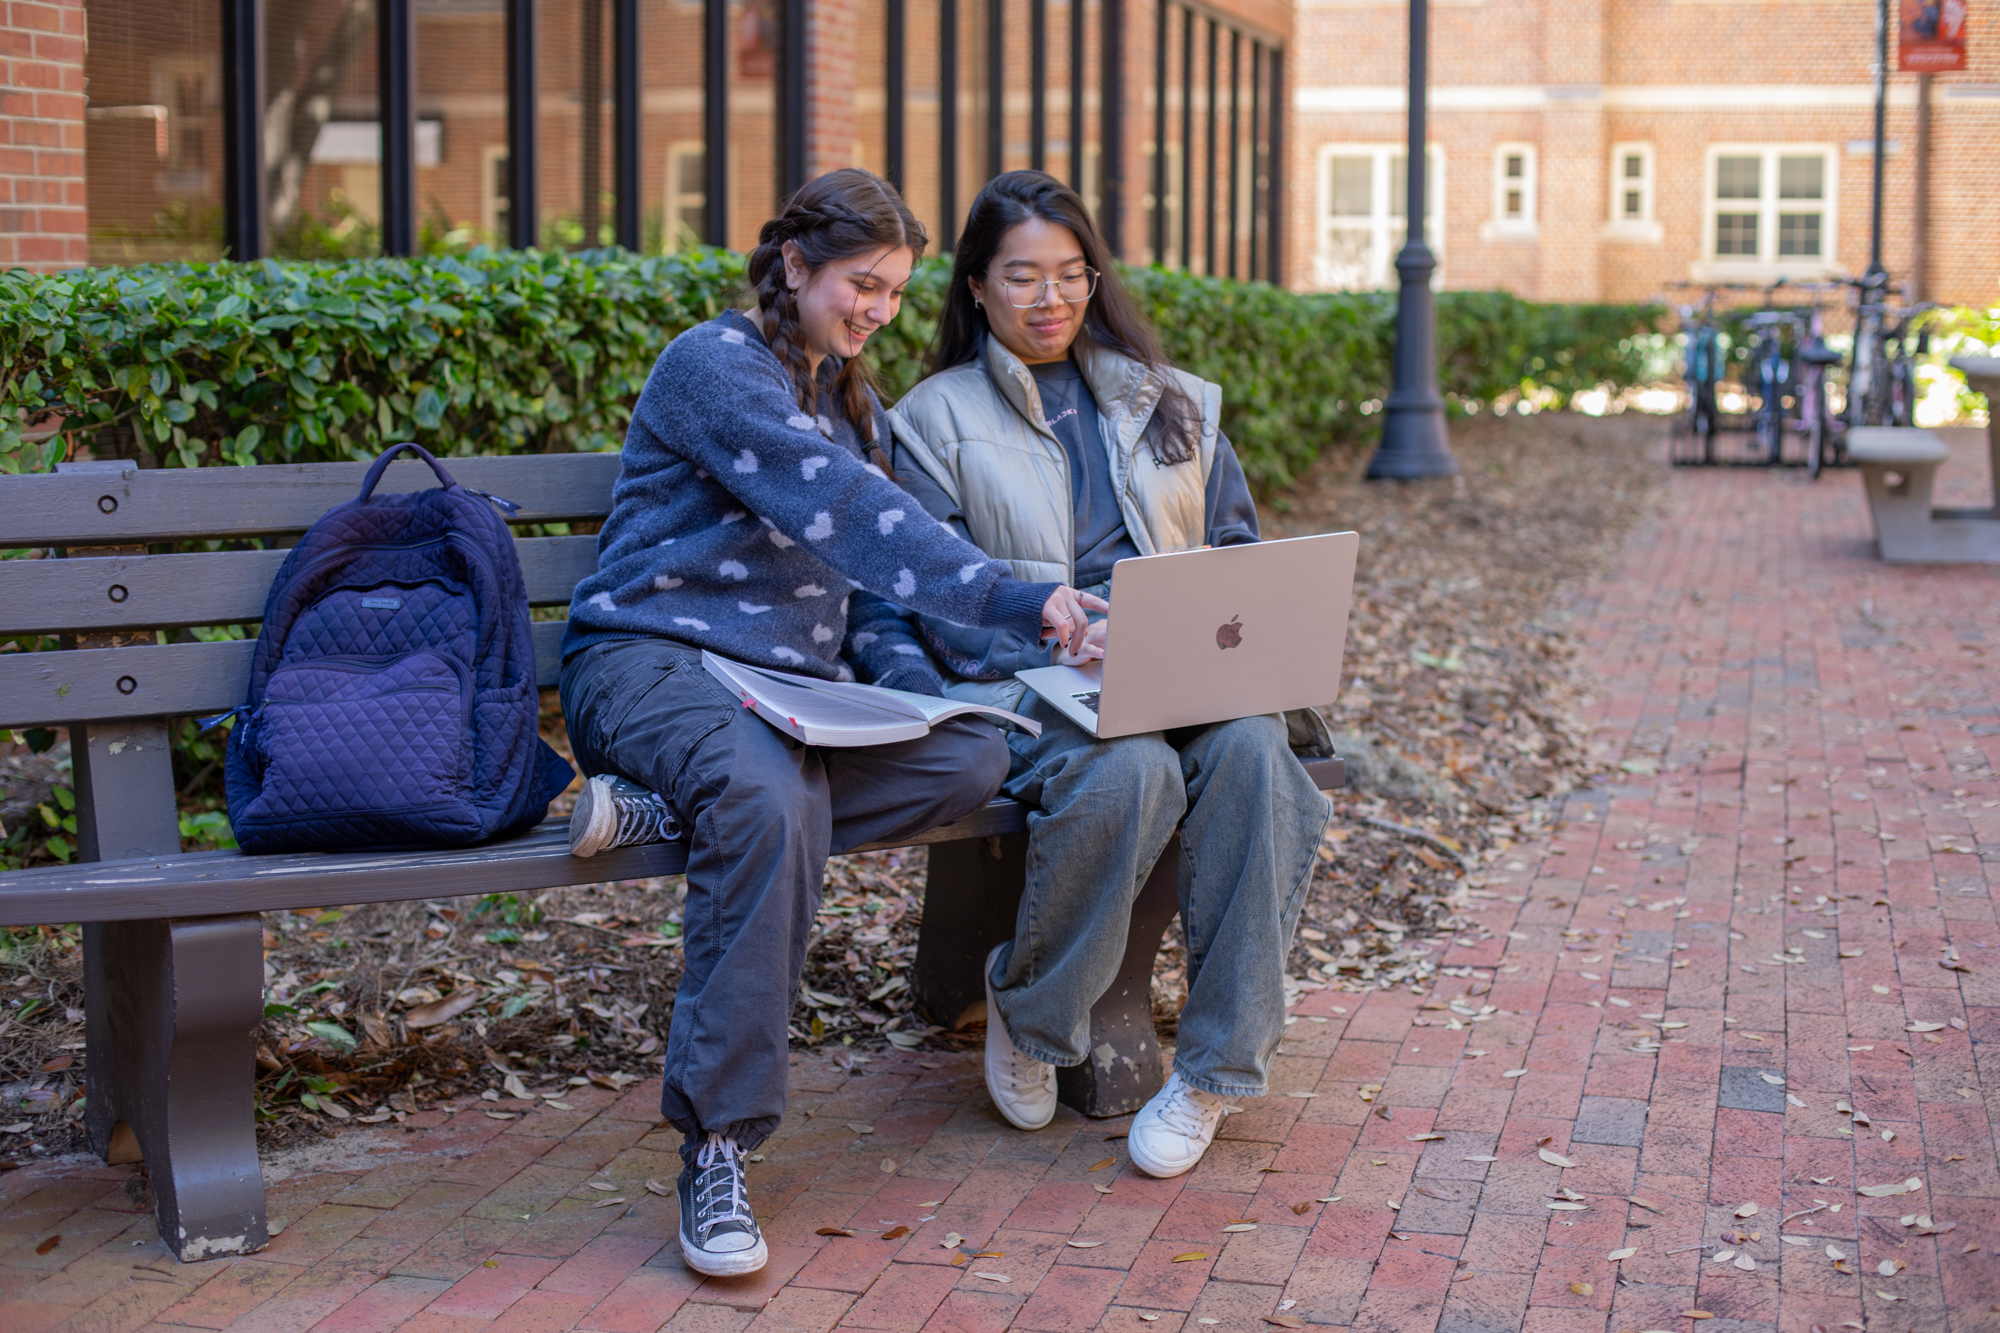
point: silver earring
(978, 304)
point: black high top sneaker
(719, 1237)
(616, 812)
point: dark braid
(843, 213)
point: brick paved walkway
(1676, 995)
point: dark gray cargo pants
(766, 812)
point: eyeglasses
(1076, 286)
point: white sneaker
(1023, 1088)
(1174, 1129)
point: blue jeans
(1106, 810)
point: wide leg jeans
(765, 812)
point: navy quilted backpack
(392, 695)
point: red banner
(1932, 36)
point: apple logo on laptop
(1231, 634)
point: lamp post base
(1414, 444)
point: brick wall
(1573, 78)
(41, 134)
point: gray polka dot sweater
(742, 525)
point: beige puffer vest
(978, 430)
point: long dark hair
(1111, 319)
(836, 216)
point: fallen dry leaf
(1924, 1027)
(1101, 1189)
(1302, 1208)
(1241, 1226)
(1746, 1210)
(1909, 1186)
(49, 1244)
(1083, 1244)
(895, 1233)
(1423, 1138)
(1696, 1314)
(833, 1231)
(1582, 1289)
(1190, 1256)
(661, 1188)
(992, 1277)
(952, 1240)
(606, 1203)
(1626, 1253)
(1285, 1320)
(603, 1185)
(1746, 1263)
(1109, 1161)
(1554, 1158)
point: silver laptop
(1204, 636)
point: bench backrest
(111, 589)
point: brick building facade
(1581, 150)
(42, 181)
(189, 129)
(1649, 142)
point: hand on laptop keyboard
(1092, 648)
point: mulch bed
(1459, 718)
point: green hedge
(537, 351)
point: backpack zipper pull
(507, 505)
(211, 723)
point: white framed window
(1769, 210)
(1630, 206)
(1513, 191)
(1361, 224)
(687, 196)
(493, 189)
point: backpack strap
(381, 465)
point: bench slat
(219, 883)
(211, 588)
(171, 504)
(171, 680)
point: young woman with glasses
(1053, 434)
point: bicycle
(1773, 371)
(1816, 425)
(1702, 370)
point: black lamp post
(1413, 434)
(1877, 276)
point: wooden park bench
(1899, 467)
(173, 947)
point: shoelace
(718, 1191)
(645, 818)
(1022, 1071)
(1183, 1113)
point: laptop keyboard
(1088, 699)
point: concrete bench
(173, 948)
(1899, 472)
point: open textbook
(832, 712)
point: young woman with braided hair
(748, 521)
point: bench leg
(971, 898)
(1124, 1067)
(971, 901)
(172, 1009)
